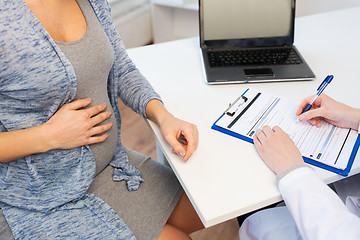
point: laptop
(245, 41)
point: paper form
(328, 144)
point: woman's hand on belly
(72, 126)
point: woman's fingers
(97, 139)
(99, 118)
(100, 129)
(191, 141)
(77, 104)
(94, 110)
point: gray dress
(146, 210)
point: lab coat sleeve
(318, 212)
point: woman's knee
(185, 217)
(171, 232)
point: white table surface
(226, 178)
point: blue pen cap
(329, 78)
(323, 85)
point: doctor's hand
(276, 148)
(182, 136)
(331, 111)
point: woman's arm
(182, 136)
(21, 143)
(70, 127)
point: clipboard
(242, 104)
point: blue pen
(320, 89)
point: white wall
(133, 22)
(307, 7)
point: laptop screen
(247, 23)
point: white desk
(226, 178)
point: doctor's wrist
(290, 169)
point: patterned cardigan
(36, 79)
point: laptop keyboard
(273, 56)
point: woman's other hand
(182, 136)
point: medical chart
(327, 144)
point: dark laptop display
(250, 41)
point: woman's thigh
(5, 231)
(146, 210)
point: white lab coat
(314, 211)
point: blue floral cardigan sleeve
(43, 196)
